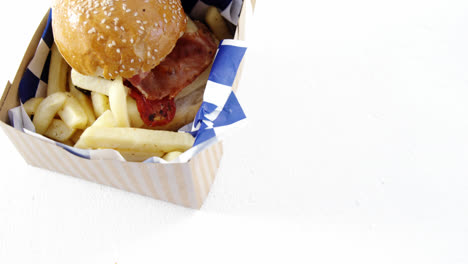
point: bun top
(112, 38)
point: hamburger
(163, 57)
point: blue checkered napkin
(229, 9)
(220, 107)
(34, 81)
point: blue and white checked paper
(220, 109)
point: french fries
(58, 69)
(171, 155)
(105, 120)
(141, 140)
(72, 113)
(133, 114)
(91, 83)
(138, 156)
(59, 131)
(217, 24)
(47, 109)
(118, 102)
(31, 105)
(84, 101)
(100, 103)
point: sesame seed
(128, 10)
(135, 14)
(132, 60)
(132, 69)
(118, 50)
(95, 12)
(123, 66)
(165, 20)
(92, 30)
(121, 71)
(141, 32)
(116, 72)
(153, 57)
(122, 28)
(124, 40)
(145, 22)
(107, 26)
(149, 54)
(155, 50)
(138, 21)
(116, 28)
(131, 40)
(103, 21)
(142, 28)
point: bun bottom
(187, 102)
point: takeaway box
(186, 183)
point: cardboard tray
(185, 184)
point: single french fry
(138, 156)
(171, 155)
(72, 113)
(58, 69)
(100, 103)
(91, 83)
(59, 131)
(134, 139)
(84, 101)
(31, 105)
(133, 113)
(118, 102)
(47, 109)
(105, 120)
(217, 24)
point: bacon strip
(192, 54)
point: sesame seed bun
(112, 38)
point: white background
(356, 151)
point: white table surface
(356, 151)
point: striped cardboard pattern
(185, 184)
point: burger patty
(193, 53)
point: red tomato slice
(154, 112)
